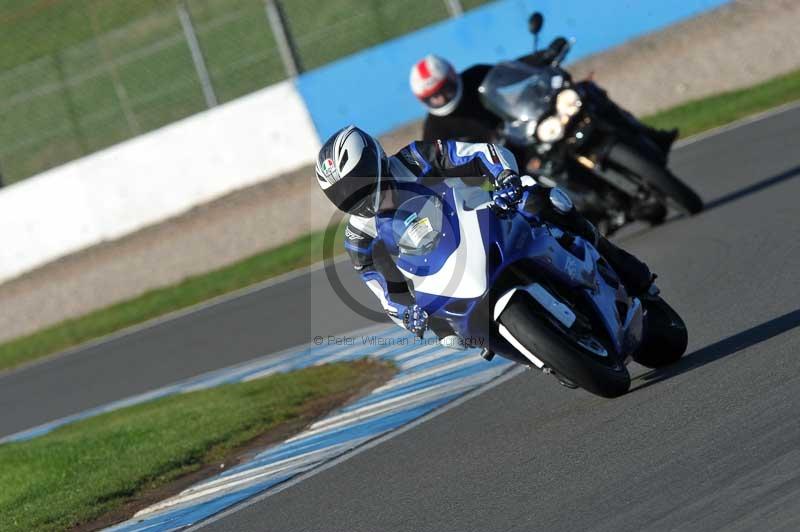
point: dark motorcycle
(572, 133)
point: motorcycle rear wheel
(657, 176)
(559, 353)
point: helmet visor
(442, 95)
(359, 195)
(380, 198)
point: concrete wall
(153, 177)
(370, 88)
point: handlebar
(550, 56)
(559, 49)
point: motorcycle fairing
(488, 244)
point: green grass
(342, 27)
(64, 104)
(297, 254)
(58, 101)
(707, 113)
(84, 470)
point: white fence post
(454, 7)
(277, 22)
(197, 54)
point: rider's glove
(508, 191)
(507, 178)
(415, 319)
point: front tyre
(665, 336)
(656, 176)
(559, 354)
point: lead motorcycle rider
(359, 178)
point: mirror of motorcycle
(535, 23)
(535, 26)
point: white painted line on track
(409, 401)
(370, 417)
(362, 448)
(422, 375)
(229, 483)
(273, 466)
(410, 364)
(176, 314)
(412, 353)
(277, 362)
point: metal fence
(170, 60)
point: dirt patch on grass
(374, 374)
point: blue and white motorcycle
(527, 290)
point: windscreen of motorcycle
(417, 225)
(521, 95)
(442, 250)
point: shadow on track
(719, 202)
(752, 189)
(728, 346)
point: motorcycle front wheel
(665, 335)
(561, 355)
(656, 176)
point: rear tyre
(559, 354)
(665, 336)
(658, 177)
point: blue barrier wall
(370, 88)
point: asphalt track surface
(264, 320)
(712, 443)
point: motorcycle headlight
(568, 102)
(550, 129)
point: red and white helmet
(436, 84)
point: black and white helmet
(349, 170)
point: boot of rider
(664, 138)
(555, 206)
(634, 274)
